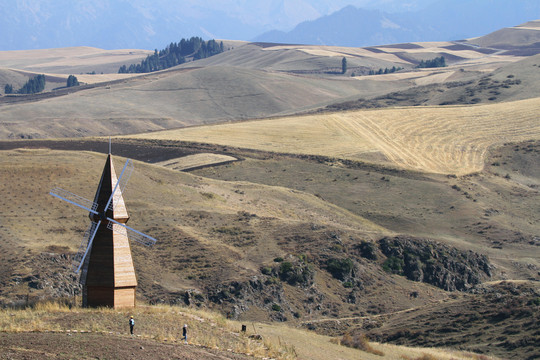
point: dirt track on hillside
(30, 346)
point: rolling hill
(276, 79)
(523, 39)
(299, 204)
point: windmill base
(97, 296)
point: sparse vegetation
(158, 323)
(359, 341)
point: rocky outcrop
(440, 265)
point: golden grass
(309, 345)
(448, 140)
(161, 323)
(68, 57)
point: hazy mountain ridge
(441, 21)
(114, 24)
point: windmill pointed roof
(106, 185)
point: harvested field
(71, 60)
(448, 140)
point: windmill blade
(131, 233)
(120, 184)
(77, 259)
(74, 199)
(86, 244)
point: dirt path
(30, 346)
(378, 316)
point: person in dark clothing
(131, 325)
(184, 333)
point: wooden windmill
(108, 275)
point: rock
(428, 261)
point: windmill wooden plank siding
(108, 275)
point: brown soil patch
(30, 346)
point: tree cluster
(72, 81)
(175, 54)
(433, 63)
(385, 71)
(32, 86)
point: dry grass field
(73, 60)
(515, 37)
(447, 140)
(70, 332)
(247, 81)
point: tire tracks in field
(441, 140)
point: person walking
(184, 333)
(131, 324)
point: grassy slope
(40, 333)
(174, 99)
(276, 80)
(73, 60)
(450, 140)
(510, 38)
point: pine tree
(34, 85)
(344, 65)
(174, 54)
(8, 89)
(72, 81)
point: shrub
(426, 357)
(368, 250)
(339, 268)
(296, 273)
(276, 307)
(359, 342)
(393, 265)
(285, 268)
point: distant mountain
(442, 20)
(150, 24)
